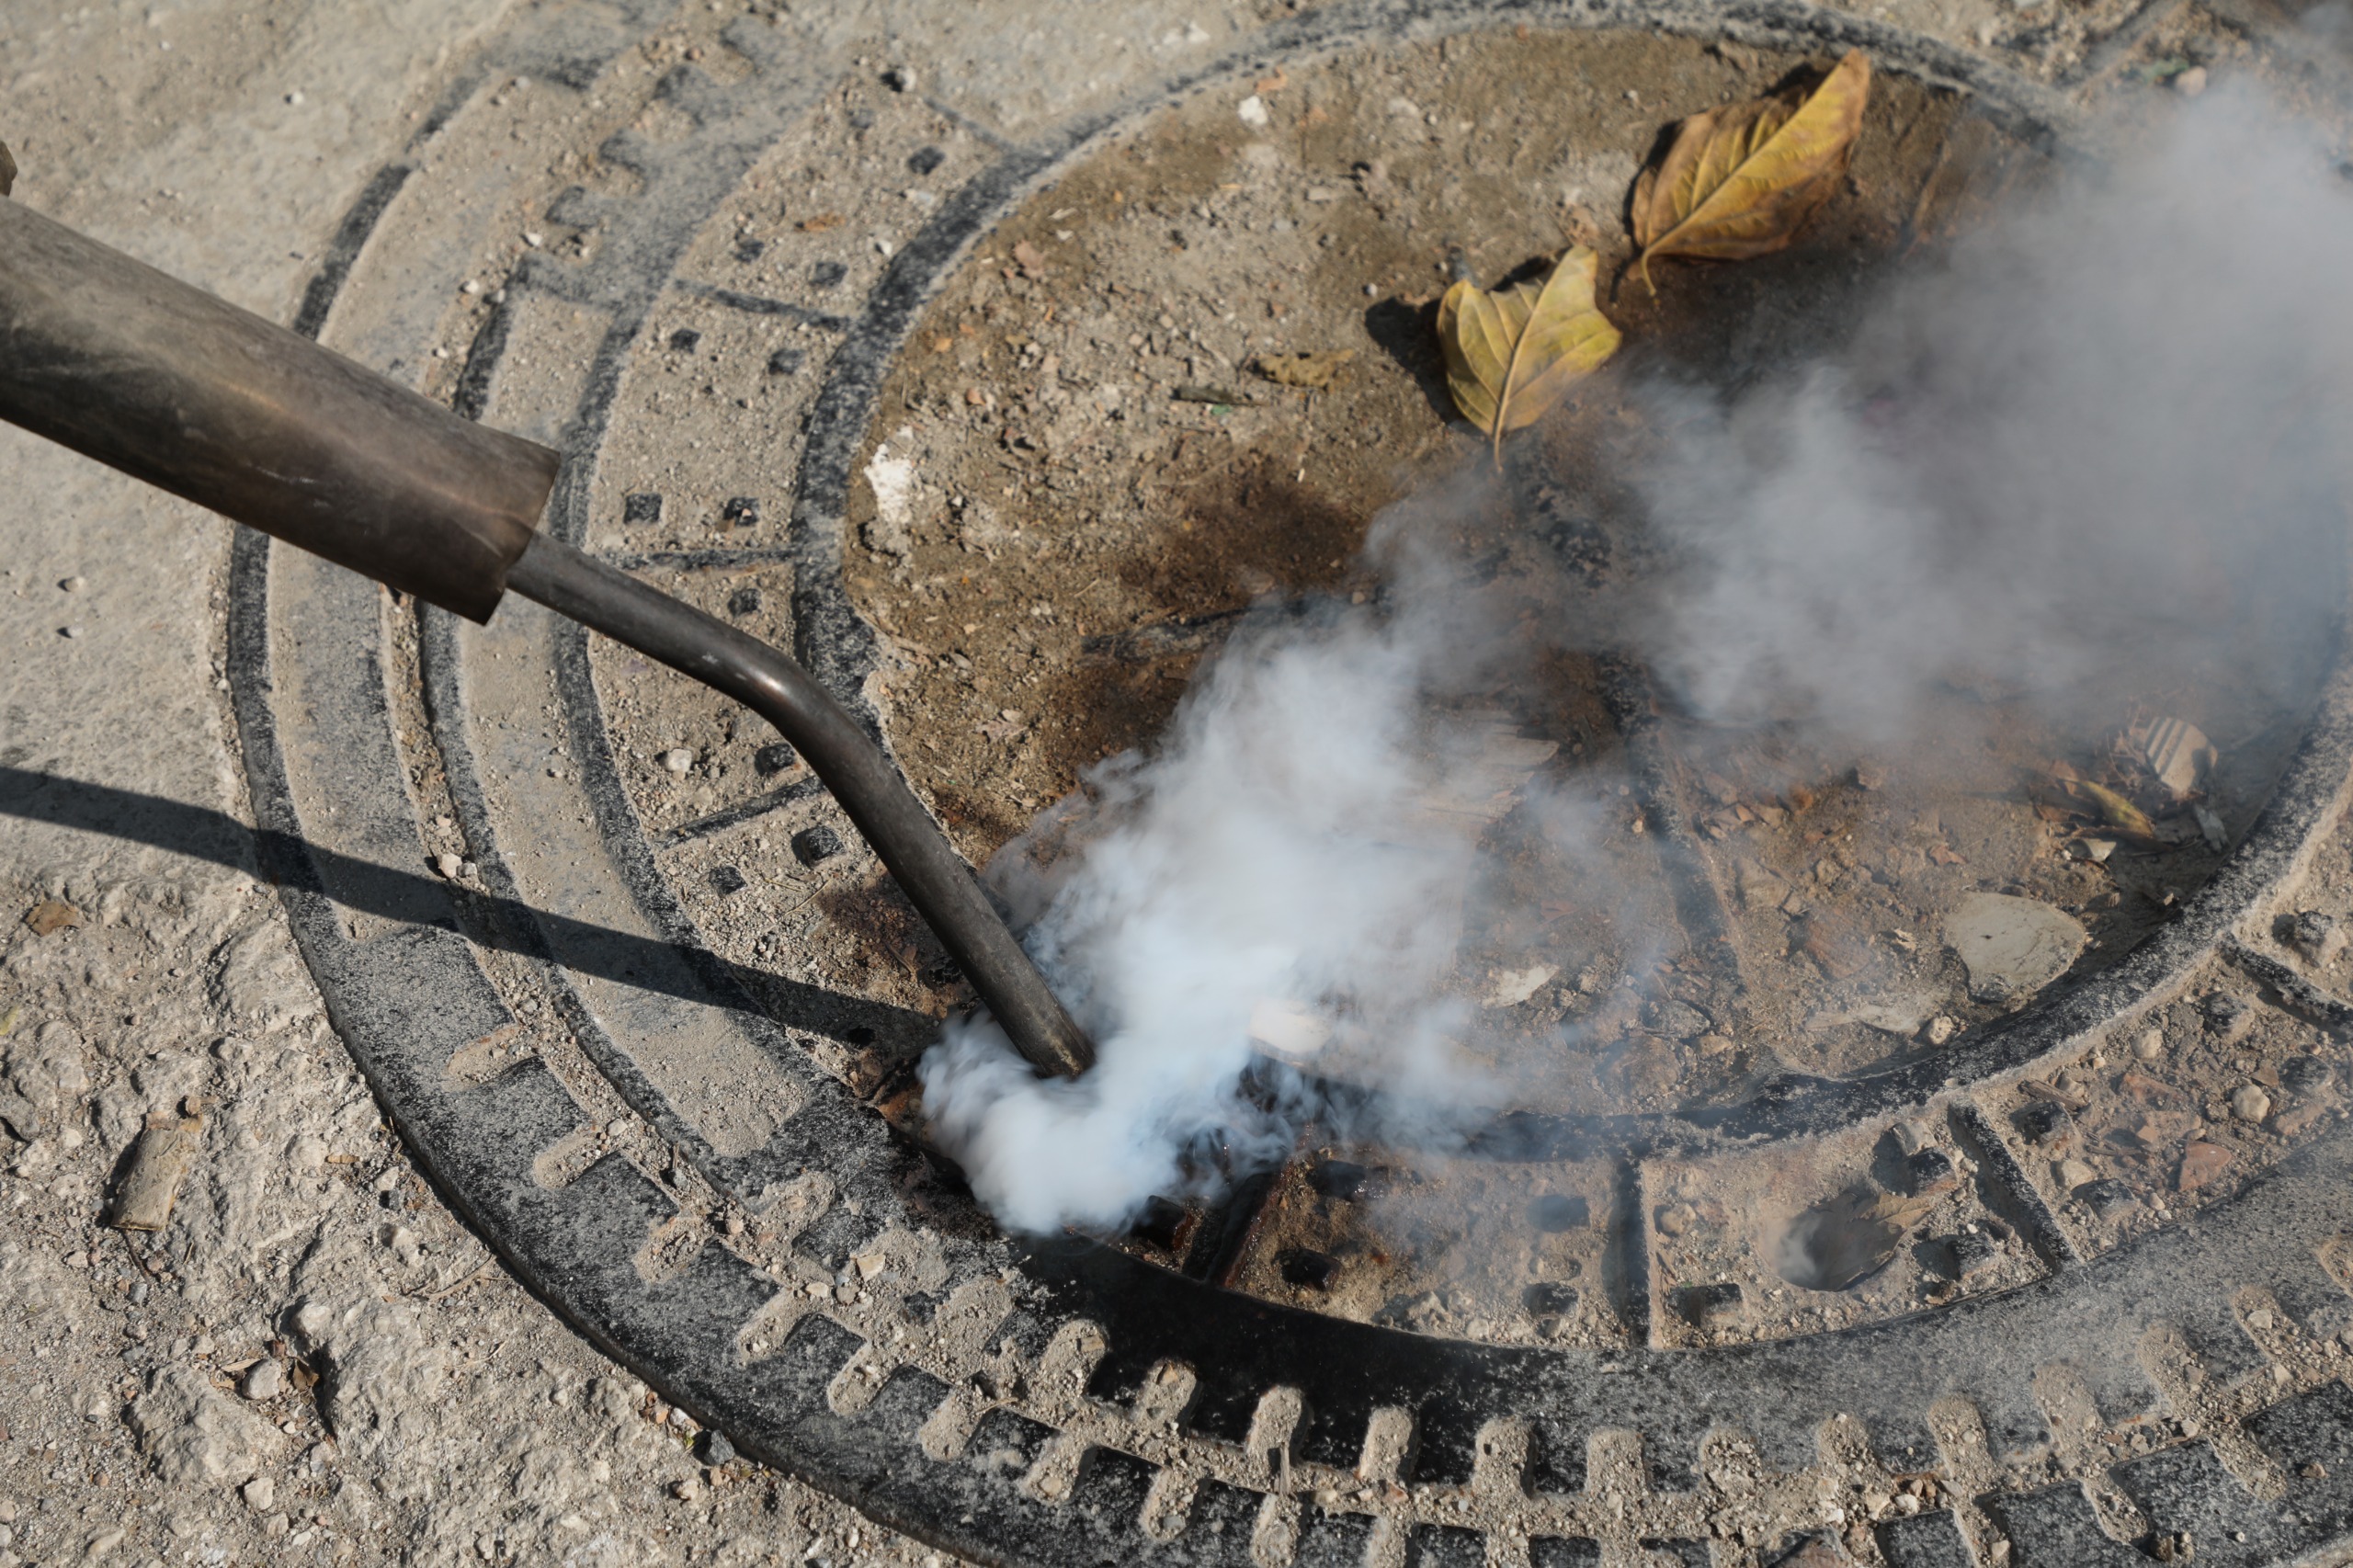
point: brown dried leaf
(1847, 1238)
(1512, 354)
(1739, 181)
(1303, 368)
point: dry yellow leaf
(1515, 353)
(2117, 811)
(1738, 181)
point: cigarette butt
(158, 1162)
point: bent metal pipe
(124, 364)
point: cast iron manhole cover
(652, 1035)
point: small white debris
(893, 480)
(1941, 1029)
(2012, 947)
(678, 760)
(295, 97)
(448, 865)
(260, 1493)
(2190, 83)
(1510, 987)
(535, 239)
(74, 584)
(1252, 112)
(2218, 837)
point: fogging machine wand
(121, 363)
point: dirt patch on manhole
(1082, 475)
(1076, 475)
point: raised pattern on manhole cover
(654, 1102)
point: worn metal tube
(131, 367)
(124, 364)
(932, 874)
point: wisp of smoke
(2109, 433)
(2110, 428)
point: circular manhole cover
(656, 1044)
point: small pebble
(2306, 1074)
(2150, 1046)
(2105, 1197)
(449, 865)
(2312, 930)
(1715, 1307)
(685, 1491)
(2045, 1123)
(2190, 83)
(2249, 1102)
(1912, 1135)
(2074, 1173)
(1252, 112)
(678, 760)
(1973, 1253)
(259, 1493)
(75, 585)
(263, 1379)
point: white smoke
(1274, 859)
(2108, 433)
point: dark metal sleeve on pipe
(124, 364)
(862, 779)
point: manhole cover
(655, 1043)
